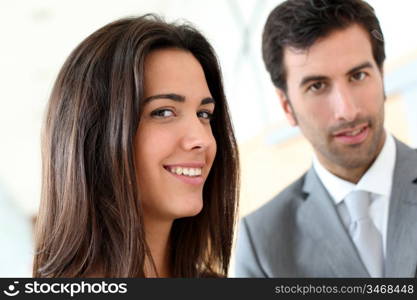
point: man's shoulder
(279, 208)
(404, 151)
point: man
(354, 213)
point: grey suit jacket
(299, 233)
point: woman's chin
(189, 209)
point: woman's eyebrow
(177, 98)
(171, 96)
(207, 100)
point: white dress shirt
(377, 180)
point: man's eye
(162, 113)
(205, 114)
(358, 76)
(317, 86)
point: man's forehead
(336, 53)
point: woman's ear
(286, 106)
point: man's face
(336, 96)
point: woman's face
(174, 143)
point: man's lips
(351, 131)
(352, 136)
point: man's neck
(352, 175)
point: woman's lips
(195, 180)
(353, 136)
(190, 173)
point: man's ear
(286, 106)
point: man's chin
(354, 159)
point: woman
(140, 164)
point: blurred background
(38, 35)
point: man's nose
(345, 105)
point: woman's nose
(197, 136)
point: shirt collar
(377, 179)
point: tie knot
(357, 203)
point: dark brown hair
(90, 215)
(299, 23)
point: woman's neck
(157, 237)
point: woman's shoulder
(210, 274)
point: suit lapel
(401, 258)
(325, 237)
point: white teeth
(186, 171)
(353, 133)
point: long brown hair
(90, 215)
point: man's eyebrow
(171, 96)
(360, 67)
(310, 78)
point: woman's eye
(359, 76)
(205, 114)
(317, 86)
(162, 113)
